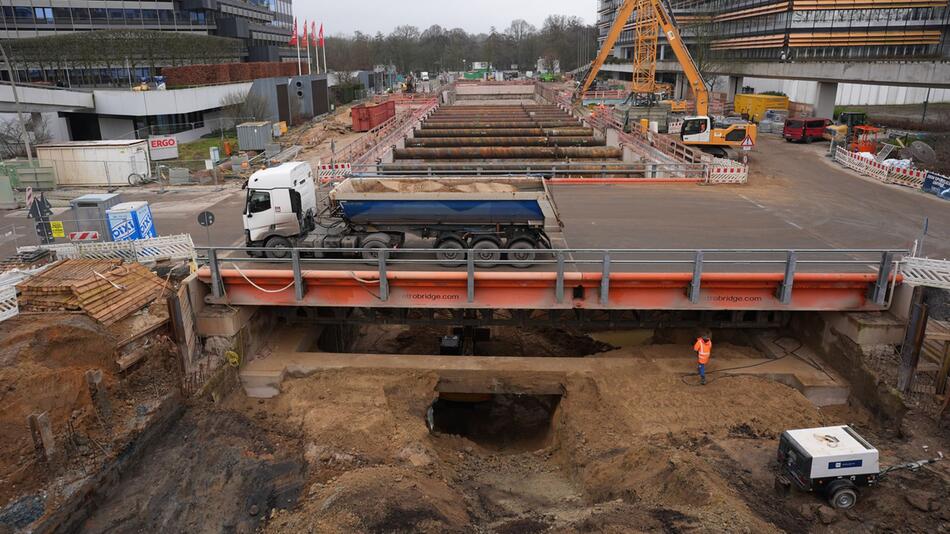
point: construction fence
(923, 180)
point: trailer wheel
(522, 252)
(278, 248)
(487, 253)
(451, 252)
(843, 496)
(373, 244)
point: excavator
(700, 131)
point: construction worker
(703, 348)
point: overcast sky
(475, 16)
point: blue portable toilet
(131, 221)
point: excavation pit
(501, 423)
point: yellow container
(755, 106)
(283, 127)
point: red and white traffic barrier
(84, 236)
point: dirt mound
(42, 369)
(359, 419)
(379, 500)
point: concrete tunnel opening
(499, 422)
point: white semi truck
(363, 215)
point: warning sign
(57, 228)
(747, 143)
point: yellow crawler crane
(699, 131)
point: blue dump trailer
(498, 218)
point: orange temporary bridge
(761, 280)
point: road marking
(773, 212)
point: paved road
(796, 199)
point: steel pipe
(505, 141)
(501, 124)
(496, 152)
(506, 132)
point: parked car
(805, 130)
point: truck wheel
(372, 245)
(843, 497)
(278, 248)
(522, 252)
(487, 253)
(451, 252)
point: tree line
(437, 49)
(85, 53)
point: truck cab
(280, 207)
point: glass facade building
(801, 30)
(263, 25)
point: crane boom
(623, 15)
(665, 17)
(671, 31)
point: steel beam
(508, 153)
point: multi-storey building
(724, 33)
(264, 26)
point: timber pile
(106, 290)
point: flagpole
(299, 67)
(325, 68)
(309, 63)
(316, 47)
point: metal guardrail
(885, 262)
(633, 171)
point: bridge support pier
(825, 100)
(734, 87)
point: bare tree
(12, 135)
(246, 107)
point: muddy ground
(379, 451)
(42, 369)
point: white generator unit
(832, 460)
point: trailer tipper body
(498, 218)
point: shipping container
(755, 106)
(96, 163)
(255, 135)
(368, 116)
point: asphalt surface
(796, 198)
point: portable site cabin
(96, 163)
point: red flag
(313, 33)
(321, 36)
(293, 38)
(305, 38)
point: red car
(806, 130)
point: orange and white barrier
(725, 171)
(333, 172)
(913, 178)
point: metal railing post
(559, 289)
(471, 276)
(695, 285)
(785, 290)
(605, 281)
(217, 284)
(298, 276)
(383, 278)
(879, 292)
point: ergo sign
(165, 147)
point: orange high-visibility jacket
(703, 349)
